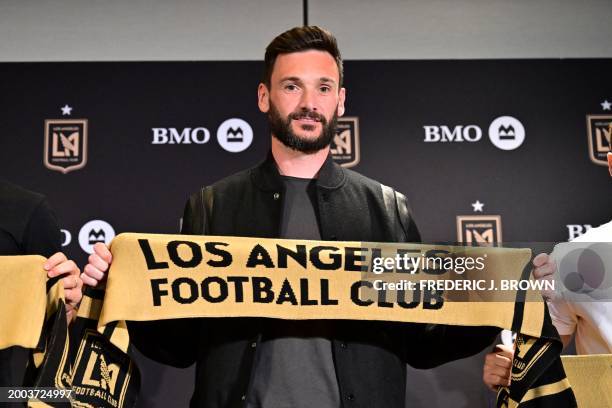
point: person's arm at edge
(42, 236)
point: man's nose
(308, 100)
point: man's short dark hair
(301, 39)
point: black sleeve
(170, 342)
(193, 216)
(406, 219)
(173, 342)
(430, 345)
(42, 234)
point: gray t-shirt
(295, 367)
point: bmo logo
(469, 133)
(199, 135)
(576, 230)
(234, 135)
(505, 133)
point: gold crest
(65, 144)
(479, 230)
(599, 133)
(345, 144)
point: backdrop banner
(487, 151)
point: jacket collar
(267, 178)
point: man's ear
(263, 98)
(341, 98)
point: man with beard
(299, 192)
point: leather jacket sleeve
(406, 219)
(438, 344)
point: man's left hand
(57, 265)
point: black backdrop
(541, 190)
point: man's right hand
(545, 268)
(98, 263)
(497, 367)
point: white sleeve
(563, 316)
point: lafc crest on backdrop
(65, 144)
(599, 133)
(345, 148)
(479, 230)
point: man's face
(304, 100)
(282, 129)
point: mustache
(307, 114)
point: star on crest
(477, 206)
(66, 110)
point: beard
(281, 129)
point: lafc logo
(345, 145)
(479, 230)
(98, 373)
(526, 349)
(600, 137)
(101, 373)
(65, 144)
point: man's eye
(325, 89)
(291, 87)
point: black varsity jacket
(369, 357)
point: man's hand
(497, 367)
(545, 268)
(95, 271)
(57, 265)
